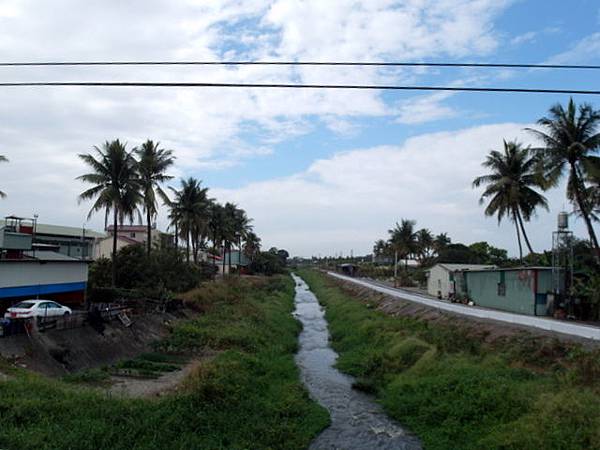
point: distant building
(138, 233)
(128, 235)
(239, 261)
(69, 241)
(104, 246)
(441, 278)
(28, 272)
(523, 290)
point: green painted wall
(485, 288)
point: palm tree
(381, 248)
(190, 213)
(116, 187)
(440, 242)
(571, 139)
(3, 159)
(510, 187)
(230, 213)
(403, 239)
(241, 227)
(251, 245)
(424, 245)
(174, 219)
(215, 227)
(593, 191)
(153, 162)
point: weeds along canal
(357, 421)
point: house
(137, 233)
(69, 241)
(441, 280)
(128, 235)
(104, 246)
(28, 272)
(523, 290)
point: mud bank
(60, 352)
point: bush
(268, 263)
(140, 274)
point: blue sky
(320, 172)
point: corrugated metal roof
(45, 255)
(128, 228)
(508, 269)
(60, 230)
(455, 267)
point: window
(24, 305)
(133, 234)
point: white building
(441, 280)
(28, 272)
(127, 235)
(104, 246)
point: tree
(3, 159)
(593, 190)
(251, 245)
(571, 139)
(116, 187)
(424, 246)
(230, 213)
(403, 239)
(509, 187)
(381, 248)
(190, 211)
(241, 227)
(153, 162)
(487, 254)
(216, 224)
(440, 242)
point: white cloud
(43, 130)
(524, 38)
(425, 109)
(583, 51)
(347, 201)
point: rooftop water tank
(563, 220)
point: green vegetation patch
(247, 397)
(456, 391)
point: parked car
(36, 308)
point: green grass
(247, 397)
(454, 390)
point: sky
(320, 172)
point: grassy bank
(247, 397)
(457, 392)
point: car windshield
(24, 305)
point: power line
(298, 63)
(295, 86)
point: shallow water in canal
(357, 421)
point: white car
(36, 308)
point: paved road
(557, 326)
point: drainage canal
(357, 421)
